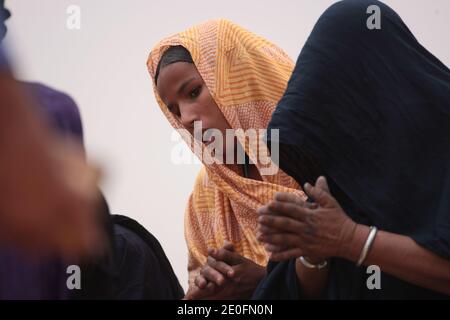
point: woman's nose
(188, 117)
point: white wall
(103, 67)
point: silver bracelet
(308, 264)
(367, 245)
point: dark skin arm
(327, 232)
(226, 275)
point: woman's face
(184, 92)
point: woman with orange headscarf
(224, 78)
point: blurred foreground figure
(58, 194)
(48, 194)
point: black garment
(146, 271)
(136, 268)
(370, 109)
(280, 283)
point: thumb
(323, 184)
(320, 196)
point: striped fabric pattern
(246, 75)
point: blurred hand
(48, 194)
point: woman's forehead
(172, 77)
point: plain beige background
(103, 67)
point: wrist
(356, 243)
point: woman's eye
(195, 93)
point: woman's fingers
(265, 229)
(196, 293)
(274, 248)
(229, 257)
(291, 210)
(322, 183)
(281, 223)
(220, 266)
(320, 194)
(280, 239)
(212, 275)
(200, 281)
(294, 198)
(207, 292)
(289, 197)
(264, 210)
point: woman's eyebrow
(185, 84)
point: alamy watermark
(374, 280)
(73, 21)
(73, 281)
(374, 20)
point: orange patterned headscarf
(246, 76)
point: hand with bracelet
(292, 228)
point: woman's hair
(172, 55)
